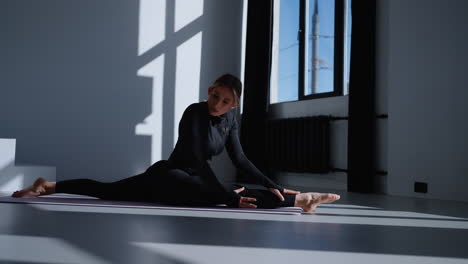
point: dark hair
(232, 82)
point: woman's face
(220, 100)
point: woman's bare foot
(309, 201)
(39, 187)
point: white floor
(359, 228)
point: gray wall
(70, 92)
(424, 72)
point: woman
(186, 177)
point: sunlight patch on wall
(152, 26)
(15, 183)
(152, 31)
(7, 161)
(187, 11)
(152, 125)
(187, 77)
(7, 152)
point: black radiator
(299, 144)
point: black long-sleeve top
(202, 136)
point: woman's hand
(245, 202)
(285, 191)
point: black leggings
(167, 186)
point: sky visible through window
(325, 35)
(288, 66)
(288, 61)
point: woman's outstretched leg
(133, 188)
(39, 187)
(307, 201)
(138, 187)
(177, 187)
(129, 189)
(79, 186)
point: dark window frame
(339, 47)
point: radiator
(299, 144)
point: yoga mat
(81, 200)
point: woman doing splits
(186, 179)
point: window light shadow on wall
(174, 66)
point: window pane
(320, 46)
(286, 88)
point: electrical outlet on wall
(420, 187)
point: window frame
(338, 53)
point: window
(311, 45)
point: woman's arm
(239, 159)
(191, 127)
